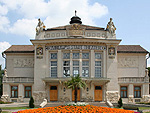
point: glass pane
(53, 55)
(85, 63)
(66, 55)
(97, 63)
(85, 55)
(75, 71)
(85, 71)
(75, 55)
(53, 88)
(97, 55)
(125, 93)
(66, 71)
(27, 88)
(123, 88)
(29, 93)
(75, 63)
(14, 87)
(97, 72)
(26, 94)
(121, 93)
(12, 94)
(53, 63)
(139, 94)
(16, 93)
(53, 71)
(137, 88)
(135, 94)
(66, 63)
(98, 87)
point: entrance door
(53, 93)
(78, 95)
(98, 93)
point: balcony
(18, 79)
(133, 80)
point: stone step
(52, 104)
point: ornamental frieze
(127, 62)
(23, 62)
(80, 47)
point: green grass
(15, 108)
(143, 108)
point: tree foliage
(75, 83)
(1, 80)
(31, 102)
(120, 104)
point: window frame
(100, 67)
(28, 92)
(14, 91)
(50, 67)
(124, 91)
(135, 96)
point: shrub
(31, 102)
(120, 104)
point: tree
(1, 80)
(75, 83)
(120, 104)
(31, 102)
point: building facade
(110, 70)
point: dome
(75, 19)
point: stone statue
(39, 27)
(111, 27)
(5, 72)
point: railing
(18, 79)
(133, 80)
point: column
(59, 64)
(131, 93)
(20, 92)
(92, 62)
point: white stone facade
(109, 73)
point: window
(66, 64)
(53, 65)
(27, 91)
(75, 68)
(123, 91)
(137, 91)
(14, 91)
(85, 64)
(98, 65)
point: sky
(18, 19)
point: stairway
(52, 104)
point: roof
(120, 49)
(20, 49)
(87, 27)
(131, 49)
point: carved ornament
(23, 62)
(127, 62)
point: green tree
(1, 80)
(75, 83)
(31, 102)
(120, 104)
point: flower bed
(76, 109)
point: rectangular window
(28, 91)
(85, 68)
(137, 91)
(98, 65)
(14, 91)
(75, 68)
(66, 68)
(53, 64)
(123, 91)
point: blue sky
(18, 19)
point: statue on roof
(111, 27)
(39, 27)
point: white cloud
(55, 13)
(4, 23)
(3, 47)
(24, 27)
(3, 10)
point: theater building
(110, 70)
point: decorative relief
(52, 35)
(39, 51)
(39, 97)
(81, 47)
(100, 35)
(112, 96)
(111, 51)
(127, 62)
(23, 62)
(75, 30)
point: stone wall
(112, 96)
